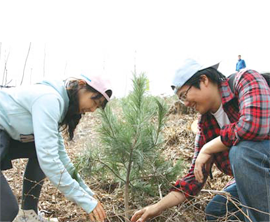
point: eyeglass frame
(183, 97)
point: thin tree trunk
(44, 61)
(26, 62)
(128, 179)
(126, 201)
(127, 187)
(4, 80)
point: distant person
(233, 133)
(31, 121)
(240, 64)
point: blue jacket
(38, 110)
(240, 65)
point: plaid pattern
(252, 122)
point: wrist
(172, 199)
(160, 206)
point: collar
(226, 96)
(225, 91)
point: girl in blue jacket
(31, 121)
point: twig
(26, 62)
(4, 80)
(159, 190)
(111, 170)
(44, 61)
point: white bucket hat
(187, 70)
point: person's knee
(33, 170)
(14, 212)
(233, 153)
(10, 213)
(238, 160)
(210, 214)
(8, 202)
(245, 155)
(237, 155)
(213, 210)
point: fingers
(198, 172)
(140, 216)
(200, 163)
(137, 215)
(91, 217)
(99, 212)
(103, 212)
(95, 217)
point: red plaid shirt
(248, 110)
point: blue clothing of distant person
(240, 64)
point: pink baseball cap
(98, 83)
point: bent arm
(214, 146)
(254, 110)
(172, 199)
(46, 113)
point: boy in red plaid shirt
(234, 133)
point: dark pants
(219, 206)
(33, 177)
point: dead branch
(25, 62)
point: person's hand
(98, 214)
(202, 161)
(146, 213)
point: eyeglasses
(183, 96)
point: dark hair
(213, 74)
(72, 117)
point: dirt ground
(179, 144)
